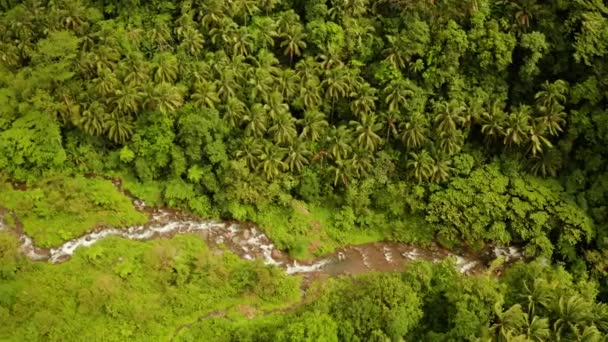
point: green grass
(62, 208)
(309, 231)
(121, 290)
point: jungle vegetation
(327, 122)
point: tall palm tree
(283, 129)
(537, 139)
(451, 141)
(413, 133)
(390, 120)
(339, 142)
(336, 85)
(517, 125)
(309, 96)
(260, 84)
(361, 163)
(493, 121)
(241, 41)
(118, 128)
(552, 94)
(250, 151)
(398, 94)
(134, 69)
(552, 118)
(212, 13)
(421, 165)
(313, 125)
(441, 169)
(234, 112)
(257, 121)
(226, 85)
(275, 106)
(297, 155)
(293, 42)
(165, 67)
(272, 163)
(341, 171)
(205, 94)
(167, 98)
(288, 82)
(127, 100)
(508, 323)
(192, 41)
(449, 115)
(572, 312)
(365, 100)
(366, 132)
(92, 119)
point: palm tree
(297, 156)
(336, 84)
(257, 121)
(517, 126)
(552, 94)
(449, 115)
(106, 84)
(286, 21)
(250, 151)
(414, 131)
(360, 163)
(573, 312)
(283, 129)
(508, 322)
(92, 119)
(552, 118)
(293, 42)
(365, 132)
(313, 125)
(165, 68)
(127, 99)
(234, 112)
(537, 296)
(398, 93)
(451, 141)
(391, 122)
(227, 86)
(192, 41)
(309, 96)
(339, 141)
(537, 329)
(275, 106)
(119, 128)
(545, 164)
(241, 41)
(340, 170)
(272, 161)
(134, 69)
(167, 98)
(365, 100)
(264, 32)
(308, 69)
(441, 169)
(421, 165)
(261, 84)
(160, 34)
(288, 82)
(205, 94)
(537, 139)
(211, 13)
(493, 121)
(395, 54)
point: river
(249, 242)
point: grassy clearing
(58, 209)
(119, 290)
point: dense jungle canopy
(467, 123)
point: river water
(249, 242)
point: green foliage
(61, 208)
